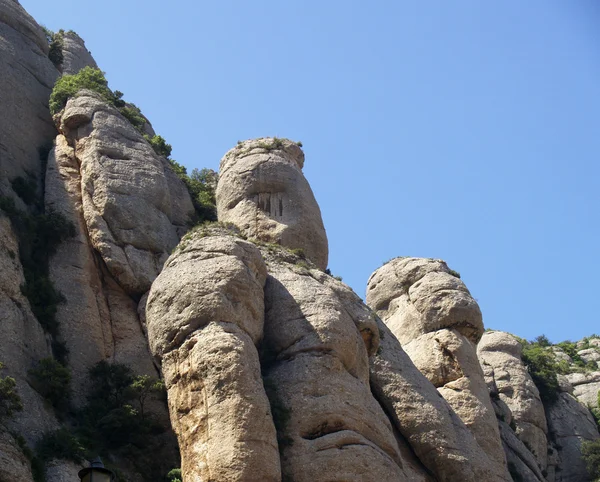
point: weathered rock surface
(520, 460)
(316, 371)
(433, 314)
(75, 55)
(205, 312)
(262, 191)
(26, 77)
(569, 424)
(501, 353)
(438, 437)
(22, 339)
(585, 387)
(126, 195)
(14, 466)
(99, 320)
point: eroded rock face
(205, 314)
(316, 370)
(437, 435)
(130, 205)
(98, 320)
(569, 424)
(13, 464)
(26, 77)
(501, 353)
(263, 192)
(585, 387)
(22, 340)
(75, 54)
(431, 312)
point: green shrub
(454, 273)
(52, 380)
(109, 419)
(543, 370)
(542, 340)
(590, 452)
(174, 476)
(201, 185)
(159, 145)
(55, 44)
(10, 401)
(116, 420)
(133, 114)
(60, 444)
(68, 85)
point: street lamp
(96, 472)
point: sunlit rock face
(263, 191)
(500, 356)
(430, 310)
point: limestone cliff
(227, 349)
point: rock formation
(511, 386)
(431, 312)
(274, 369)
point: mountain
(184, 326)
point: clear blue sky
(468, 130)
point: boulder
(262, 190)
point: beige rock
(99, 320)
(433, 315)
(262, 190)
(502, 352)
(520, 460)
(569, 424)
(26, 77)
(75, 55)
(126, 194)
(316, 370)
(415, 296)
(436, 434)
(204, 315)
(589, 355)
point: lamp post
(96, 472)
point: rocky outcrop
(316, 368)
(75, 55)
(262, 191)
(27, 77)
(569, 424)
(125, 194)
(431, 312)
(22, 339)
(98, 319)
(437, 435)
(205, 314)
(500, 356)
(585, 387)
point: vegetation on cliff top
(544, 366)
(201, 184)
